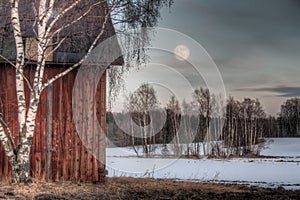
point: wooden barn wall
(58, 154)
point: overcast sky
(255, 45)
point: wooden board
(69, 158)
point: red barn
(57, 153)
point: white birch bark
(7, 144)
(17, 158)
(15, 20)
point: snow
(288, 147)
(265, 172)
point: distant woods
(289, 118)
(196, 128)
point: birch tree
(202, 99)
(174, 118)
(186, 115)
(140, 102)
(52, 24)
(289, 116)
(243, 127)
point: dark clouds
(282, 91)
(229, 27)
(235, 24)
(255, 43)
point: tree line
(197, 128)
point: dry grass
(245, 156)
(130, 188)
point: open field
(279, 166)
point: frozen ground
(287, 147)
(284, 170)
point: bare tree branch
(60, 15)
(50, 81)
(17, 71)
(6, 143)
(8, 131)
(76, 20)
(49, 11)
(56, 47)
(44, 15)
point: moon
(182, 52)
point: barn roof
(78, 37)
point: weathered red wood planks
(70, 159)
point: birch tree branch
(60, 15)
(56, 47)
(17, 71)
(68, 25)
(7, 144)
(49, 11)
(76, 20)
(8, 131)
(50, 81)
(41, 24)
(36, 18)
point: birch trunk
(145, 135)
(19, 158)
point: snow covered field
(284, 170)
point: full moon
(182, 52)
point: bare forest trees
(56, 25)
(174, 115)
(203, 101)
(289, 118)
(140, 103)
(198, 128)
(243, 127)
(189, 129)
